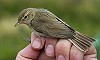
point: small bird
(44, 23)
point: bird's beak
(17, 24)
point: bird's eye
(25, 17)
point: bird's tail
(82, 41)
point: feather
(82, 41)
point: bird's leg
(26, 39)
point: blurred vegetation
(82, 15)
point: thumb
(28, 53)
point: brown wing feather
(49, 24)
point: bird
(44, 23)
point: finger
(62, 49)
(76, 54)
(37, 42)
(91, 54)
(50, 46)
(28, 54)
(43, 56)
(91, 50)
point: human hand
(34, 51)
(54, 50)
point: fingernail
(61, 57)
(93, 59)
(36, 43)
(50, 50)
(32, 33)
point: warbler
(44, 23)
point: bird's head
(26, 16)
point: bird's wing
(50, 25)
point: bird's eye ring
(25, 17)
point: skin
(38, 50)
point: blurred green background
(82, 15)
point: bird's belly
(37, 33)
